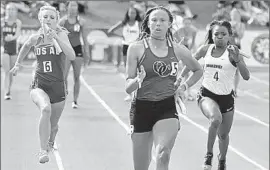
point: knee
(163, 154)
(77, 78)
(46, 110)
(223, 136)
(215, 121)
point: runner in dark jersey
(10, 31)
(48, 89)
(76, 27)
(153, 113)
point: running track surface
(91, 137)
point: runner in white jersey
(215, 98)
(218, 72)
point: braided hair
(225, 23)
(145, 31)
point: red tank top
(161, 73)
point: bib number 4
(47, 66)
(216, 76)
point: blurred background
(101, 15)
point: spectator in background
(184, 7)
(238, 28)
(131, 30)
(10, 31)
(76, 26)
(187, 35)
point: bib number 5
(174, 68)
(47, 66)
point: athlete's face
(49, 17)
(73, 8)
(220, 35)
(11, 10)
(132, 13)
(159, 23)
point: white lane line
(103, 103)
(259, 80)
(230, 147)
(58, 158)
(253, 95)
(252, 118)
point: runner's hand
(14, 70)
(234, 52)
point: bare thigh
(77, 65)
(5, 62)
(57, 110)
(225, 126)
(40, 98)
(13, 59)
(165, 132)
(209, 107)
(142, 146)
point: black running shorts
(144, 114)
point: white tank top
(131, 33)
(218, 73)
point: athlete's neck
(158, 38)
(158, 42)
(72, 16)
(220, 48)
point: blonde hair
(58, 27)
(48, 7)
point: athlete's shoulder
(136, 48)
(180, 50)
(204, 47)
(81, 20)
(201, 51)
(179, 47)
(137, 44)
(33, 39)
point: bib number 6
(47, 66)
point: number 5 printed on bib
(174, 69)
(47, 66)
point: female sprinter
(76, 27)
(153, 114)
(215, 98)
(48, 89)
(131, 31)
(11, 29)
